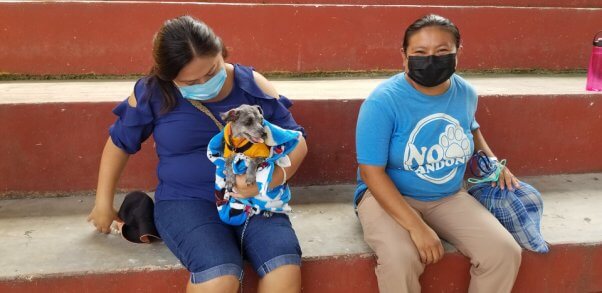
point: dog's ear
(259, 109)
(229, 116)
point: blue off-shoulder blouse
(181, 135)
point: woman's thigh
(194, 233)
(389, 240)
(470, 227)
(270, 242)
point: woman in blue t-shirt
(415, 133)
(189, 67)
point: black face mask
(430, 71)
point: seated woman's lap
(209, 248)
(270, 242)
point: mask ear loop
(405, 58)
(493, 176)
(472, 163)
(490, 169)
(485, 164)
(482, 162)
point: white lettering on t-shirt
(448, 153)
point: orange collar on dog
(242, 145)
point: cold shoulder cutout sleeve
(134, 123)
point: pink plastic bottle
(594, 72)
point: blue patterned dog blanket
(234, 211)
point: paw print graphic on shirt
(454, 142)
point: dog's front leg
(252, 165)
(229, 172)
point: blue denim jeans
(209, 248)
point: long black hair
(178, 42)
(431, 20)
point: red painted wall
(115, 38)
(510, 3)
(567, 268)
(57, 147)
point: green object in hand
(492, 176)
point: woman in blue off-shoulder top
(189, 65)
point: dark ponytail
(178, 42)
(431, 20)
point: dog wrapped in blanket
(250, 145)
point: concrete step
(49, 247)
(114, 37)
(334, 88)
(56, 130)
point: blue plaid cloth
(519, 211)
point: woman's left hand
(242, 190)
(507, 180)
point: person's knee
(503, 253)
(223, 284)
(514, 252)
(400, 259)
(286, 278)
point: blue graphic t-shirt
(424, 142)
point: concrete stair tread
(16, 92)
(50, 237)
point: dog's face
(247, 122)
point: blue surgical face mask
(207, 90)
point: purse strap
(204, 109)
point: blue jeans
(209, 248)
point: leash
(242, 237)
(220, 126)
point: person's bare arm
(112, 163)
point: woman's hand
(102, 217)
(507, 180)
(242, 190)
(428, 244)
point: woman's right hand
(102, 217)
(428, 244)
